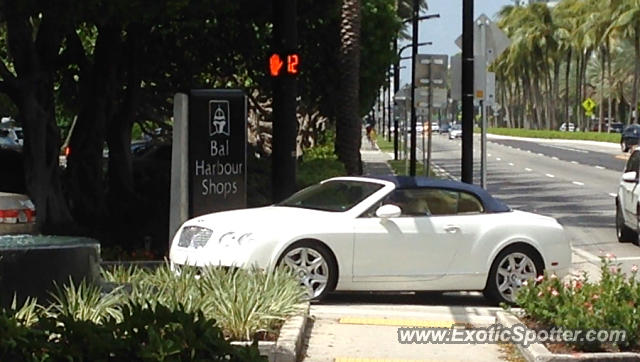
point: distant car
(444, 128)
(455, 132)
(419, 128)
(616, 127)
(17, 214)
(567, 127)
(629, 137)
(627, 204)
(8, 141)
(435, 127)
(386, 233)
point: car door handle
(452, 229)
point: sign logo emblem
(219, 118)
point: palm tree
(627, 23)
(348, 124)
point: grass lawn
(385, 146)
(399, 168)
(591, 136)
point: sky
(443, 31)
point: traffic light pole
(414, 54)
(285, 124)
(467, 91)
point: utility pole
(467, 91)
(414, 54)
(396, 86)
(285, 125)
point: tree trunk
(31, 89)
(85, 164)
(349, 125)
(636, 75)
(566, 87)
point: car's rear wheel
(510, 269)
(623, 232)
(314, 265)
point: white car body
(445, 252)
(455, 132)
(571, 127)
(435, 127)
(628, 201)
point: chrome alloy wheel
(312, 269)
(513, 270)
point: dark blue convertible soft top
(408, 182)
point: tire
(623, 232)
(302, 257)
(502, 288)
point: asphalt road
(574, 182)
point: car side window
(633, 163)
(468, 204)
(429, 201)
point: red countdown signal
(276, 63)
(292, 64)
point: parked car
(629, 137)
(444, 128)
(8, 141)
(17, 214)
(435, 127)
(627, 201)
(567, 127)
(616, 127)
(455, 131)
(383, 233)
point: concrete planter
(289, 344)
(539, 353)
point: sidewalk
(374, 161)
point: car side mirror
(388, 211)
(631, 176)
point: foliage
(591, 136)
(579, 304)
(143, 334)
(243, 302)
(317, 164)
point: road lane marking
(488, 155)
(575, 162)
(554, 158)
(540, 154)
(568, 148)
(510, 163)
(549, 175)
(528, 169)
(578, 183)
(397, 322)
(612, 194)
(600, 167)
(498, 159)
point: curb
(288, 346)
(537, 352)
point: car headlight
(232, 238)
(194, 236)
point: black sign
(217, 151)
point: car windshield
(336, 195)
(456, 127)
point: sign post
(209, 152)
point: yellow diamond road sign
(588, 105)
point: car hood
(261, 218)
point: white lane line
(578, 183)
(568, 149)
(600, 167)
(554, 158)
(488, 155)
(612, 194)
(575, 162)
(498, 159)
(510, 163)
(528, 169)
(528, 151)
(549, 175)
(540, 154)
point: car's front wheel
(510, 269)
(314, 265)
(623, 232)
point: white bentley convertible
(384, 233)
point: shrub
(578, 304)
(317, 164)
